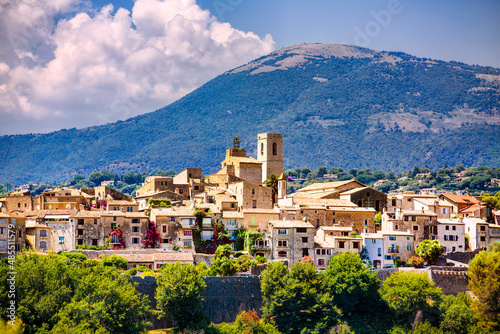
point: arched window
(282, 254)
(261, 148)
(275, 149)
(360, 203)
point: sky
(74, 63)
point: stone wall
(451, 280)
(224, 297)
(463, 257)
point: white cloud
(93, 67)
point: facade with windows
(12, 232)
(374, 244)
(451, 233)
(290, 241)
(175, 225)
(478, 231)
(397, 246)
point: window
(360, 203)
(164, 228)
(453, 248)
(2, 230)
(43, 234)
(282, 254)
(20, 234)
(181, 191)
(483, 238)
(135, 240)
(321, 262)
(94, 242)
(408, 247)
(446, 227)
(328, 252)
(136, 220)
(409, 199)
(413, 218)
(43, 244)
(196, 187)
(253, 191)
(116, 208)
(415, 228)
(304, 240)
(80, 232)
(254, 204)
(275, 149)
(80, 221)
(2, 243)
(2, 221)
(366, 222)
(165, 241)
(392, 238)
(61, 240)
(393, 202)
(114, 239)
(355, 244)
(113, 226)
(445, 237)
(341, 244)
(114, 219)
(95, 221)
(395, 227)
(379, 251)
(406, 218)
(262, 149)
(172, 219)
(188, 244)
(388, 257)
(282, 243)
(318, 251)
(130, 209)
(188, 233)
(135, 229)
(444, 211)
(282, 231)
(301, 230)
(483, 228)
(374, 241)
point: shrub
(416, 261)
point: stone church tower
(270, 153)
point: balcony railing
(393, 250)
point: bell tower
(270, 153)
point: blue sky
(75, 63)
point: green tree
(272, 182)
(405, 293)
(104, 304)
(114, 261)
(350, 282)
(378, 218)
(429, 250)
(425, 328)
(179, 295)
(298, 302)
(223, 265)
(493, 201)
(494, 247)
(44, 285)
(248, 322)
(459, 317)
(484, 271)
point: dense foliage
(353, 112)
(67, 293)
(429, 250)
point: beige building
(12, 232)
(270, 153)
(18, 201)
(397, 246)
(421, 224)
(451, 233)
(257, 219)
(133, 225)
(478, 231)
(332, 240)
(51, 230)
(291, 240)
(251, 195)
(176, 225)
(63, 199)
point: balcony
(261, 246)
(393, 250)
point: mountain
(337, 105)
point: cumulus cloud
(67, 65)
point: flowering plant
(152, 236)
(119, 234)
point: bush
(75, 256)
(416, 261)
(260, 259)
(132, 271)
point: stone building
(290, 240)
(176, 225)
(12, 232)
(332, 240)
(398, 245)
(133, 225)
(421, 224)
(18, 202)
(478, 231)
(51, 230)
(63, 199)
(270, 153)
(451, 233)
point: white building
(451, 233)
(374, 244)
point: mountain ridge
(361, 110)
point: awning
(56, 217)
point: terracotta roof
(418, 213)
(174, 211)
(326, 185)
(88, 214)
(174, 257)
(461, 198)
(231, 214)
(471, 208)
(289, 223)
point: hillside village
(245, 204)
